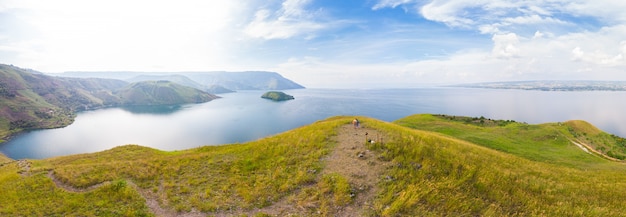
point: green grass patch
(209, 179)
(437, 175)
(551, 142)
(37, 195)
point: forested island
(277, 96)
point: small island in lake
(277, 96)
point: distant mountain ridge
(219, 81)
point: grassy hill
(454, 168)
(161, 93)
(32, 100)
(550, 142)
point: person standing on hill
(355, 123)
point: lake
(244, 116)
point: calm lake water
(244, 116)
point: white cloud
(390, 3)
(531, 19)
(500, 16)
(447, 12)
(610, 11)
(577, 54)
(290, 20)
(605, 48)
(505, 45)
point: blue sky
(325, 43)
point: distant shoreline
(551, 85)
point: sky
(324, 43)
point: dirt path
(587, 148)
(24, 166)
(362, 168)
(350, 158)
(69, 188)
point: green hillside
(32, 100)
(161, 93)
(543, 142)
(493, 168)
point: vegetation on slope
(430, 174)
(549, 142)
(437, 175)
(37, 195)
(161, 93)
(206, 179)
(606, 144)
(32, 100)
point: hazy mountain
(217, 89)
(179, 79)
(183, 80)
(248, 80)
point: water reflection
(153, 109)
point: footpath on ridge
(360, 166)
(350, 159)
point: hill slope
(30, 100)
(33, 100)
(536, 142)
(325, 169)
(161, 93)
